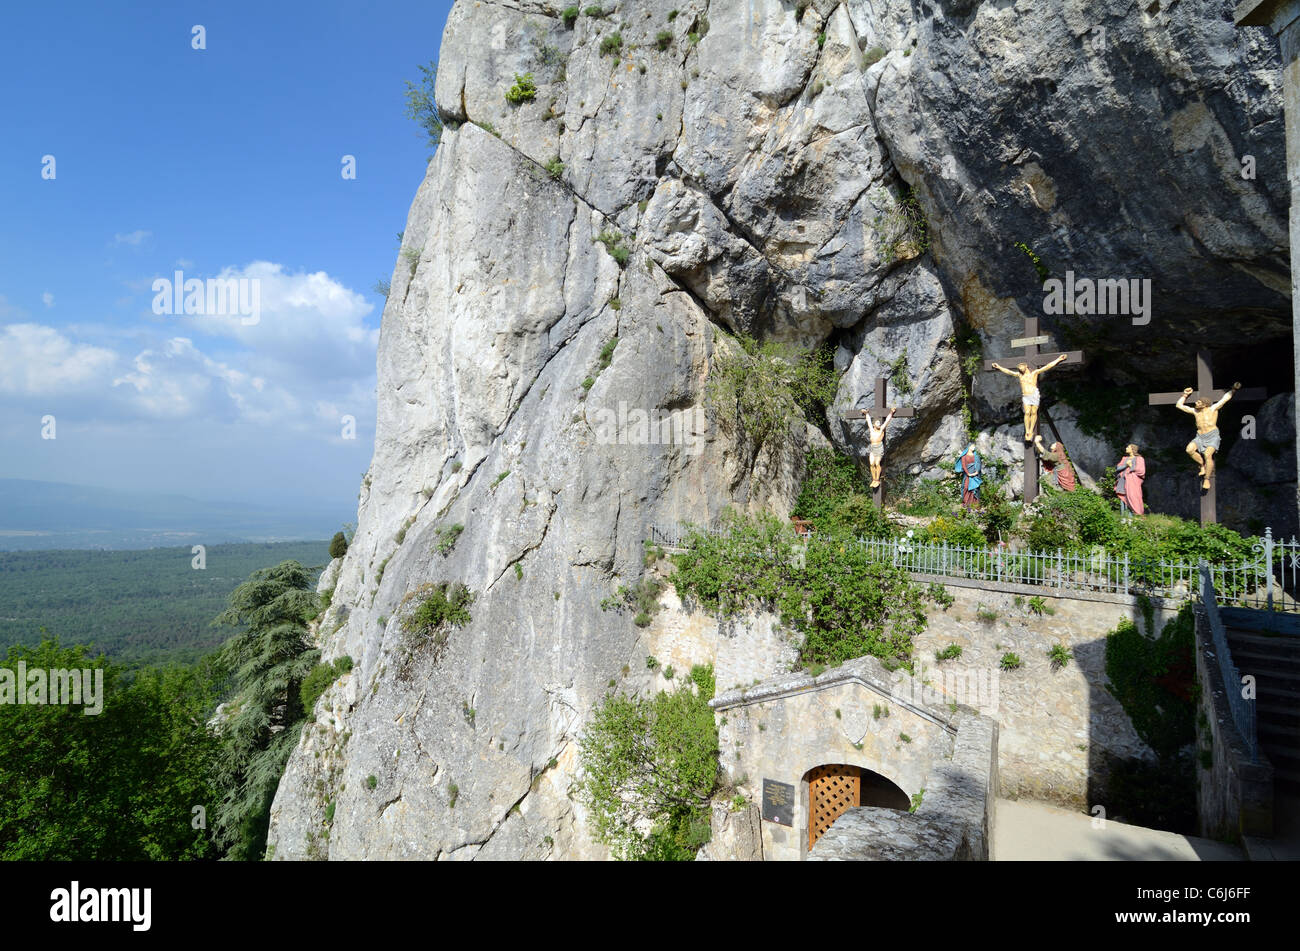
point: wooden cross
(1035, 358)
(1205, 391)
(879, 411)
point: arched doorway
(834, 789)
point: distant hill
(136, 606)
(45, 515)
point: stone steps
(1274, 662)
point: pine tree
(266, 664)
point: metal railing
(1269, 580)
(1242, 710)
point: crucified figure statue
(876, 451)
(1208, 440)
(1029, 395)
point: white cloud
(47, 299)
(307, 321)
(307, 362)
(176, 381)
(135, 238)
(38, 360)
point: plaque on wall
(778, 802)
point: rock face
(753, 160)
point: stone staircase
(1274, 661)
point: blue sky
(225, 160)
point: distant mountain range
(44, 515)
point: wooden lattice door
(832, 791)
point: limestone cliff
(754, 157)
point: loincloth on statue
(1030, 399)
(1210, 440)
(876, 452)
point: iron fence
(1267, 580)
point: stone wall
(743, 650)
(1235, 797)
(1056, 725)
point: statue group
(1059, 472)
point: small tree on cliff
(266, 664)
(338, 545)
(758, 389)
(421, 105)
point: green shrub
(1040, 607)
(759, 389)
(821, 40)
(329, 811)
(916, 800)
(669, 673)
(650, 764)
(611, 44)
(663, 39)
(371, 781)
(315, 684)
(1059, 655)
(501, 476)
(613, 242)
(412, 258)
(928, 497)
(843, 603)
(951, 652)
(902, 230)
(555, 167)
(569, 15)
(524, 90)
(702, 677)
(830, 479)
(939, 594)
(872, 56)
(594, 11)
(1009, 661)
(338, 545)
(447, 538)
(641, 597)
(963, 531)
(607, 352)
(1039, 267)
(444, 602)
(1153, 681)
(672, 15)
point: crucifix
(1034, 360)
(1205, 391)
(876, 452)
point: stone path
(1036, 831)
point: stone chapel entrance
(835, 789)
